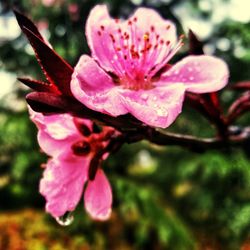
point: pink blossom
(72, 144)
(129, 71)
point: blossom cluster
(128, 72)
(73, 146)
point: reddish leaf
(195, 45)
(25, 22)
(46, 102)
(39, 85)
(57, 70)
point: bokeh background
(164, 197)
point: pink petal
(106, 38)
(59, 127)
(101, 46)
(95, 89)
(56, 148)
(200, 74)
(98, 197)
(148, 20)
(57, 133)
(157, 107)
(62, 184)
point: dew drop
(144, 96)
(190, 69)
(154, 98)
(191, 78)
(66, 219)
(176, 72)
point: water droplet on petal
(176, 72)
(66, 219)
(190, 69)
(191, 78)
(144, 96)
(154, 98)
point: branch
(196, 144)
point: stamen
(138, 57)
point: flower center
(138, 55)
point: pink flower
(72, 144)
(129, 72)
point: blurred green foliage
(164, 197)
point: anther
(112, 38)
(146, 37)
